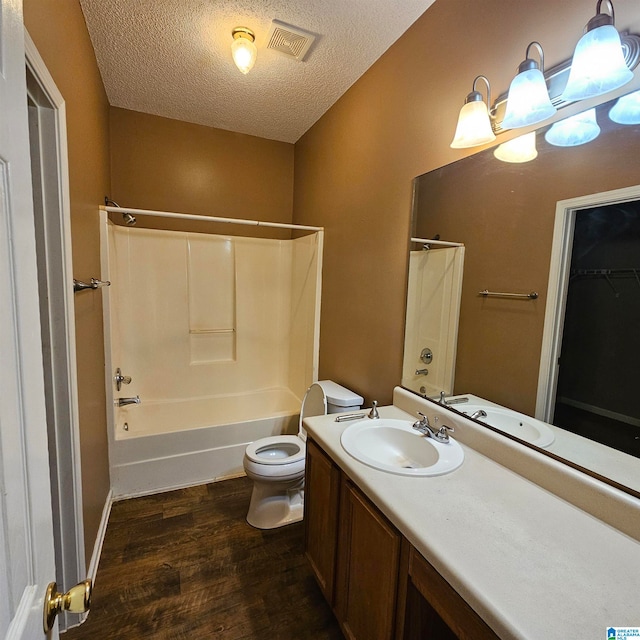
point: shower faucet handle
(120, 379)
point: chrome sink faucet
(426, 430)
(443, 400)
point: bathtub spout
(121, 402)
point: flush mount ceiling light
(518, 150)
(528, 100)
(627, 109)
(574, 131)
(243, 49)
(474, 123)
(598, 64)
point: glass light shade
(520, 149)
(574, 131)
(244, 54)
(528, 100)
(598, 65)
(627, 109)
(474, 126)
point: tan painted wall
(354, 168)
(353, 173)
(168, 165)
(59, 32)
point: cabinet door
(368, 562)
(322, 493)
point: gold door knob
(76, 600)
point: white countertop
(530, 563)
(619, 466)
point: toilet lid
(276, 450)
(314, 403)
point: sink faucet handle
(442, 434)
(373, 414)
(424, 420)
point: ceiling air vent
(288, 40)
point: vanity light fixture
(598, 64)
(474, 122)
(627, 109)
(574, 131)
(536, 94)
(528, 100)
(518, 150)
(243, 49)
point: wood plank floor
(186, 565)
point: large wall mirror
(508, 218)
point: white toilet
(276, 464)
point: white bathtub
(166, 445)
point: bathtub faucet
(121, 402)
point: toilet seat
(276, 450)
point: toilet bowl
(276, 464)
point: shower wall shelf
(78, 285)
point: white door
(26, 530)
(433, 310)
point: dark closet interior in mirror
(599, 365)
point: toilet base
(275, 506)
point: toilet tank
(339, 398)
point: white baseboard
(102, 530)
(92, 569)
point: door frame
(64, 438)
(559, 269)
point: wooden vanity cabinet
(379, 586)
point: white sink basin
(394, 446)
(516, 424)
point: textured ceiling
(172, 58)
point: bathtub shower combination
(219, 336)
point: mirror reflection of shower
(433, 310)
(129, 219)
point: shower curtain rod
(189, 216)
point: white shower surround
(218, 361)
